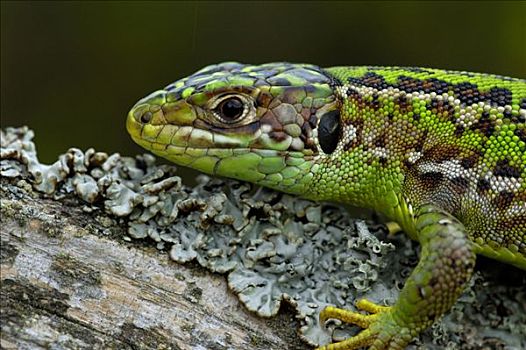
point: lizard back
(458, 139)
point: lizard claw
(393, 228)
(381, 330)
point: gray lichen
(273, 247)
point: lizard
(441, 153)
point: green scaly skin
(440, 152)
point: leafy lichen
(272, 247)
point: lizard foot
(381, 331)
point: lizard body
(442, 153)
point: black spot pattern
(439, 86)
(467, 93)
(409, 84)
(468, 163)
(417, 70)
(370, 79)
(334, 81)
(375, 103)
(403, 103)
(352, 93)
(521, 133)
(484, 124)
(442, 108)
(500, 96)
(483, 185)
(461, 183)
(431, 179)
(503, 168)
(459, 130)
(504, 199)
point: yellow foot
(380, 328)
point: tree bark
(70, 281)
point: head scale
(254, 123)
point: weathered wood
(70, 281)
(72, 278)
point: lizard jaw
(217, 154)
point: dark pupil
(231, 109)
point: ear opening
(329, 131)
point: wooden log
(68, 284)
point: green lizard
(442, 153)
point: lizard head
(268, 124)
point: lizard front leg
(446, 264)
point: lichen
(272, 247)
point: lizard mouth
(177, 130)
(165, 127)
(208, 151)
(160, 121)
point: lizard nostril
(146, 117)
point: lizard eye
(230, 109)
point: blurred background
(71, 70)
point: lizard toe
(380, 329)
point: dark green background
(71, 70)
